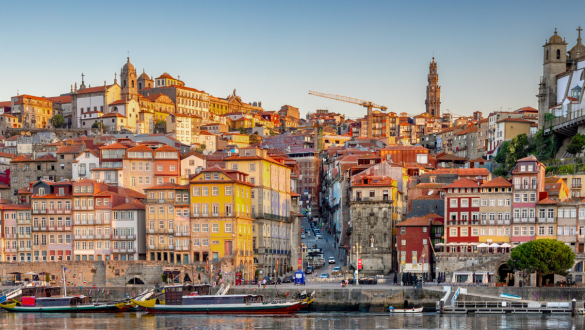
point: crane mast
(366, 104)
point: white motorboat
(406, 311)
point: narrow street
(327, 244)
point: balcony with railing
(167, 201)
(25, 235)
(9, 249)
(222, 215)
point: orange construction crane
(365, 104)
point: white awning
(483, 245)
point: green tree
(200, 149)
(47, 278)
(98, 124)
(502, 153)
(543, 257)
(163, 278)
(58, 121)
(548, 117)
(254, 139)
(242, 130)
(577, 144)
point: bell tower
(433, 101)
(554, 62)
(128, 81)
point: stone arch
(135, 280)
(506, 273)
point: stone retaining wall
(111, 272)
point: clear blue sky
(489, 53)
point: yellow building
(241, 140)
(164, 229)
(221, 220)
(547, 220)
(271, 205)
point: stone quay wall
(352, 298)
(110, 273)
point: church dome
(128, 66)
(143, 75)
(555, 39)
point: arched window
(139, 85)
(124, 83)
(547, 55)
(558, 54)
(132, 83)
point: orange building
(167, 165)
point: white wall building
(84, 163)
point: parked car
(324, 275)
(278, 281)
(308, 234)
(288, 279)
(269, 281)
(336, 271)
(303, 236)
(332, 260)
(309, 270)
(319, 236)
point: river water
(317, 321)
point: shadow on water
(353, 320)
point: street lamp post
(358, 248)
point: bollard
(441, 305)
(573, 307)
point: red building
(167, 165)
(461, 202)
(413, 238)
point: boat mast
(64, 286)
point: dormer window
(207, 176)
(215, 176)
(61, 191)
(42, 191)
(522, 168)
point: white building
(191, 163)
(84, 163)
(128, 232)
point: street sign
(359, 263)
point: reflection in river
(132, 321)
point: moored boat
(194, 303)
(73, 304)
(406, 311)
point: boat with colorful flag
(196, 299)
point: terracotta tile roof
(519, 120)
(5, 154)
(477, 160)
(166, 148)
(114, 114)
(114, 145)
(193, 153)
(463, 183)
(497, 182)
(433, 216)
(414, 222)
(119, 102)
(130, 206)
(76, 149)
(429, 186)
(61, 99)
(25, 191)
(139, 147)
(450, 157)
(6, 104)
(552, 179)
(168, 185)
(461, 171)
(93, 89)
(547, 200)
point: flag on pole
(90, 291)
(304, 293)
(65, 268)
(312, 294)
(108, 291)
(287, 294)
(84, 282)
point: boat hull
(407, 311)
(287, 308)
(60, 309)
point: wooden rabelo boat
(196, 299)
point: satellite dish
(430, 192)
